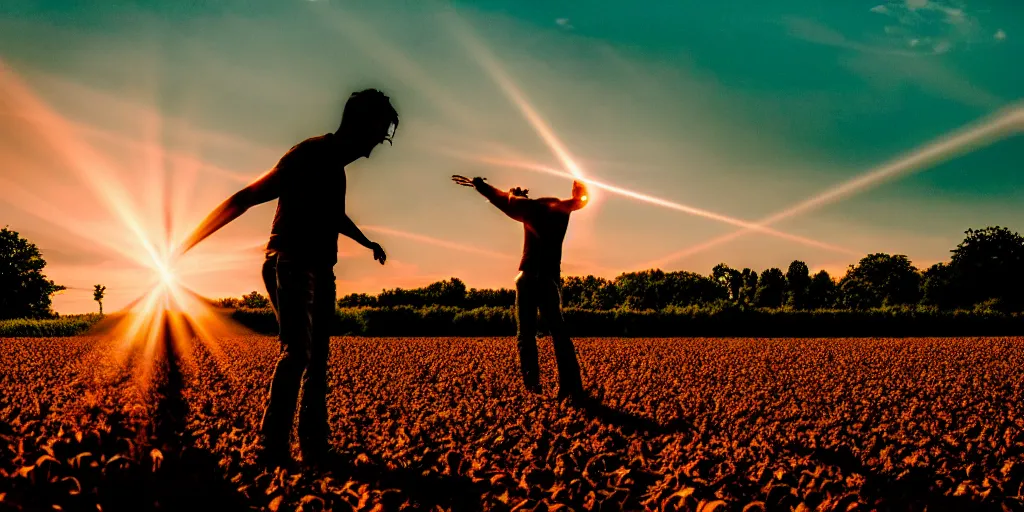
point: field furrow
(673, 424)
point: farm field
(675, 424)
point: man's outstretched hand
(467, 182)
(378, 252)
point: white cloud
(894, 60)
(928, 27)
(1000, 35)
(563, 22)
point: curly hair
(368, 105)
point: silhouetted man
(309, 183)
(538, 285)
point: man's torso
(312, 199)
(542, 246)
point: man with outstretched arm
(538, 285)
(309, 184)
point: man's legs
(313, 426)
(270, 281)
(294, 293)
(549, 301)
(526, 324)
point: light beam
(490, 64)
(526, 165)
(1003, 124)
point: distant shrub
(485, 321)
(69, 325)
(719, 320)
(254, 300)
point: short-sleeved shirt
(544, 231)
(312, 200)
(544, 227)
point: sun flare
(167, 275)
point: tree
(729, 279)
(255, 301)
(452, 292)
(589, 292)
(641, 290)
(24, 291)
(500, 298)
(97, 295)
(354, 300)
(771, 289)
(798, 279)
(821, 292)
(989, 264)
(881, 280)
(445, 293)
(857, 294)
(938, 286)
(749, 290)
(655, 289)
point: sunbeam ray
(530, 166)
(1003, 124)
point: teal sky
(742, 109)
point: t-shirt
(544, 227)
(312, 200)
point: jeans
(303, 296)
(539, 292)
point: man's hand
(378, 252)
(466, 182)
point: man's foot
(532, 382)
(575, 394)
(274, 457)
(325, 459)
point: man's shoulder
(316, 142)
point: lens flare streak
(168, 314)
(526, 165)
(516, 96)
(1006, 123)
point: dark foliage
(24, 290)
(720, 320)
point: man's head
(368, 120)
(579, 194)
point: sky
(698, 121)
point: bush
(720, 320)
(485, 321)
(70, 325)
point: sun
(167, 276)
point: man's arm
(264, 189)
(579, 198)
(348, 228)
(511, 205)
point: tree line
(985, 270)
